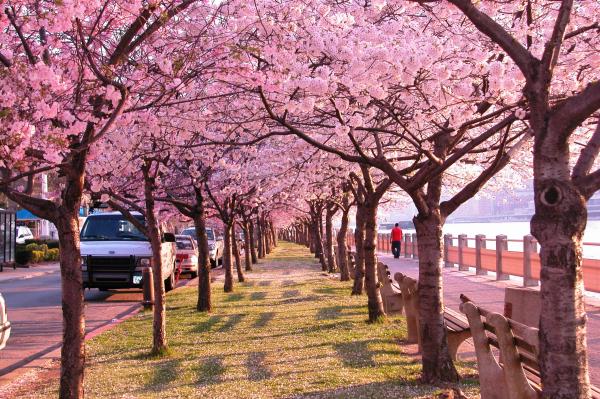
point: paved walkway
(489, 293)
(35, 270)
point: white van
(23, 233)
(114, 251)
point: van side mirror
(168, 237)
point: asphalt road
(34, 309)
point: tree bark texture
(436, 360)
(204, 303)
(227, 259)
(236, 254)
(558, 225)
(247, 251)
(261, 239)
(159, 323)
(72, 354)
(359, 238)
(329, 250)
(251, 235)
(375, 303)
(343, 247)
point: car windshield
(184, 243)
(210, 235)
(111, 228)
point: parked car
(23, 233)
(5, 326)
(215, 244)
(114, 251)
(187, 255)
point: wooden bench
(514, 374)
(457, 325)
(391, 293)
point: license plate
(137, 279)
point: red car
(186, 255)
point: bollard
(407, 244)
(479, 245)
(415, 249)
(501, 246)
(148, 287)
(529, 247)
(447, 245)
(462, 243)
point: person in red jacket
(396, 238)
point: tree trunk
(273, 234)
(227, 264)
(236, 254)
(72, 354)
(376, 310)
(359, 238)
(558, 225)
(247, 250)
(343, 248)
(266, 237)
(159, 324)
(261, 242)
(436, 360)
(252, 242)
(331, 261)
(319, 249)
(204, 303)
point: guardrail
(499, 259)
(7, 237)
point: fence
(7, 237)
(499, 259)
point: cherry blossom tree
(553, 49)
(70, 73)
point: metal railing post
(407, 244)
(447, 245)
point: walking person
(396, 238)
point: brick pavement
(489, 293)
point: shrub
(52, 254)
(37, 256)
(22, 256)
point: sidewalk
(34, 270)
(489, 293)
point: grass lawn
(289, 332)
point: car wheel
(194, 274)
(170, 282)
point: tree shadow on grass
(257, 296)
(384, 389)
(210, 371)
(265, 283)
(343, 291)
(233, 320)
(257, 369)
(290, 294)
(328, 313)
(356, 354)
(164, 373)
(208, 324)
(287, 283)
(234, 297)
(263, 319)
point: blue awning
(24, 214)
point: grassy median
(289, 332)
